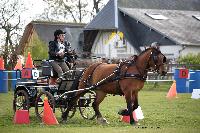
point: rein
(121, 72)
(117, 73)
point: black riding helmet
(58, 32)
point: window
(196, 17)
(156, 16)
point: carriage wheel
(71, 112)
(85, 105)
(39, 103)
(21, 101)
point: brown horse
(126, 78)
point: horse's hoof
(102, 121)
(63, 121)
(136, 123)
(123, 112)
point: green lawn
(160, 115)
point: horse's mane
(134, 57)
(158, 50)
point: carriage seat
(47, 69)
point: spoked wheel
(21, 101)
(71, 112)
(85, 105)
(39, 103)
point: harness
(154, 56)
(121, 72)
(124, 74)
(88, 81)
(118, 74)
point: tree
(10, 23)
(96, 5)
(192, 60)
(66, 10)
(72, 10)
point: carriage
(126, 78)
(31, 92)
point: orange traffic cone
(48, 117)
(29, 62)
(21, 117)
(18, 65)
(172, 93)
(1, 64)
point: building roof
(45, 31)
(180, 26)
(190, 5)
(106, 18)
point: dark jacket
(53, 50)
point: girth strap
(118, 76)
(136, 76)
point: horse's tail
(87, 75)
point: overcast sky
(35, 7)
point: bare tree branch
(72, 10)
(69, 9)
(16, 25)
(10, 22)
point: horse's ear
(155, 45)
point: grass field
(160, 115)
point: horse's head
(157, 61)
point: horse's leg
(135, 106)
(130, 101)
(99, 98)
(66, 113)
(70, 106)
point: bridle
(154, 57)
(142, 72)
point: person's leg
(57, 68)
(64, 66)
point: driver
(57, 51)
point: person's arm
(68, 48)
(52, 51)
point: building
(37, 35)
(123, 27)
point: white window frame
(196, 17)
(156, 16)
